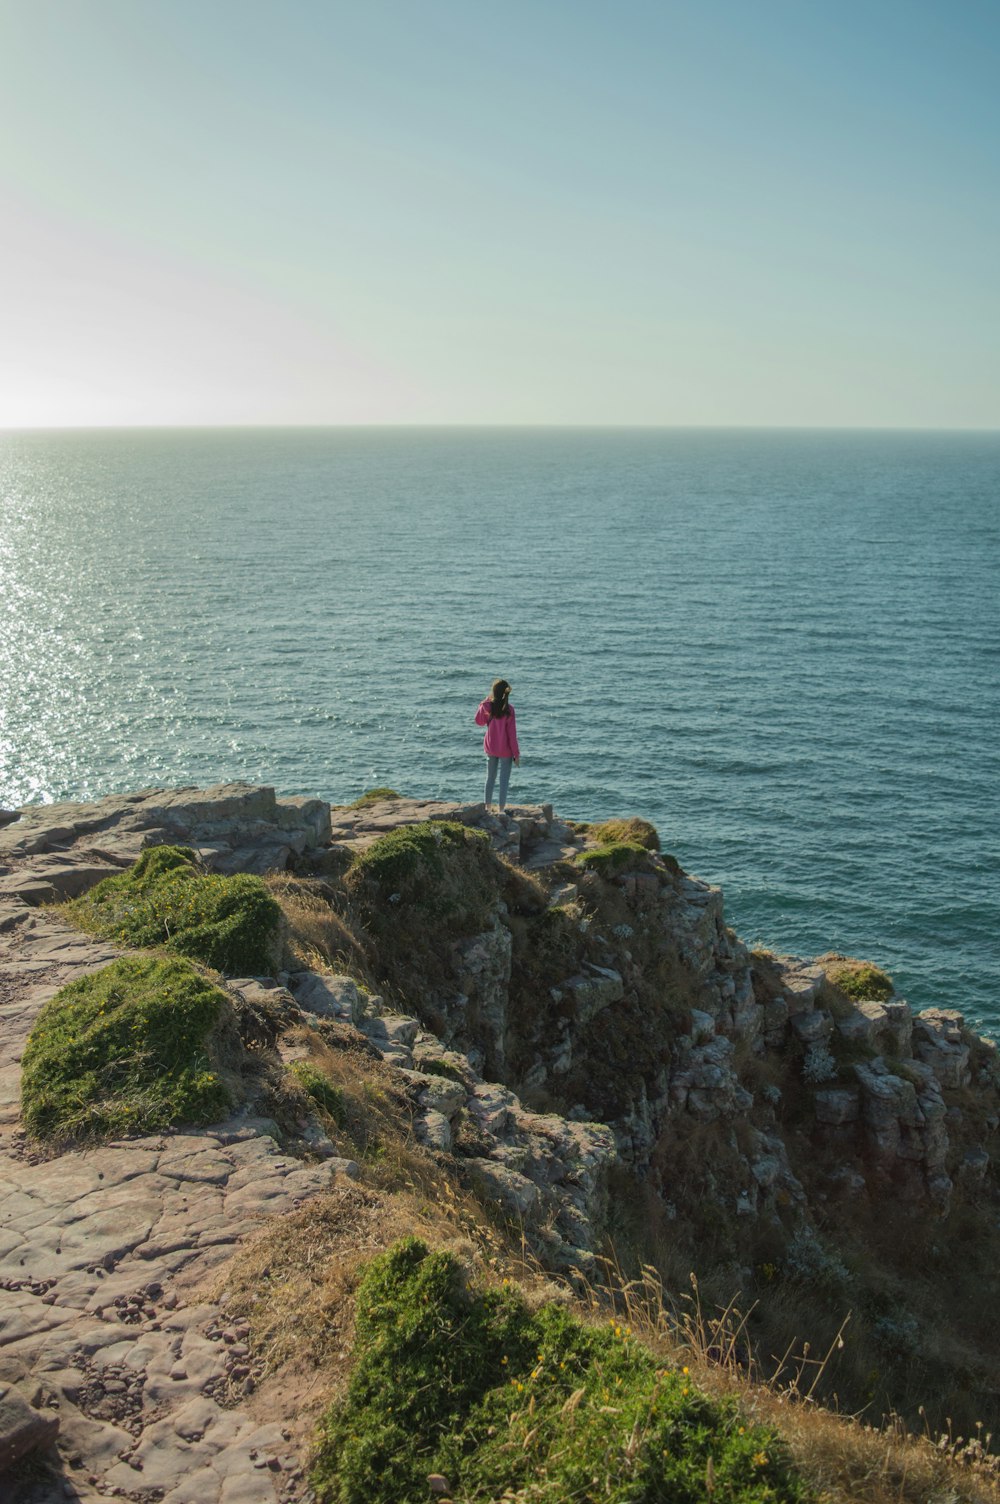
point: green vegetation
(412, 853)
(431, 1067)
(861, 980)
(437, 866)
(126, 1049)
(329, 1098)
(614, 858)
(230, 923)
(634, 831)
(373, 796)
(503, 1401)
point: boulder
(22, 1427)
(433, 1129)
(515, 1192)
(702, 1026)
(327, 996)
(440, 1093)
(393, 1028)
(811, 1027)
(801, 984)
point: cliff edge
(571, 1034)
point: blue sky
(714, 213)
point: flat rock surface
(59, 850)
(102, 1251)
(528, 833)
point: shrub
(503, 1401)
(437, 866)
(231, 923)
(329, 1098)
(614, 858)
(861, 980)
(402, 853)
(634, 831)
(819, 1065)
(373, 796)
(126, 1049)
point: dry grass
(845, 1460)
(296, 1284)
(318, 936)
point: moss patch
(614, 858)
(431, 1067)
(634, 831)
(373, 796)
(476, 1387)
(862, 980)
(231, 923)
(436, 872)
(126, 1049)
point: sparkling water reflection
(782, 648)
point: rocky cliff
(578, 1034)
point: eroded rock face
(482, 974)
(661, 1024)
(939, 1036)
(661, 1037)
(540, 1169)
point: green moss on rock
(437, 866)
(373, 796)
(635, 831)
(615, 857)
(230, 923)
(126, 1049)
(505, 1402)
(861, 980)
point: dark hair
(498, 699)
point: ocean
(780, 647)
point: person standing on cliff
(500, 742)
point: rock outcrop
(60, 850)
(590, 1018)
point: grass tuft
(412, 862)
(503, 1401)
(634, 831)
(329, 1098)
(606, 860)
(230, 923)
(373, 796)
(861, 980)
(126, 1049)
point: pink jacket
(501, 734)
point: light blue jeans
(492, 763)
